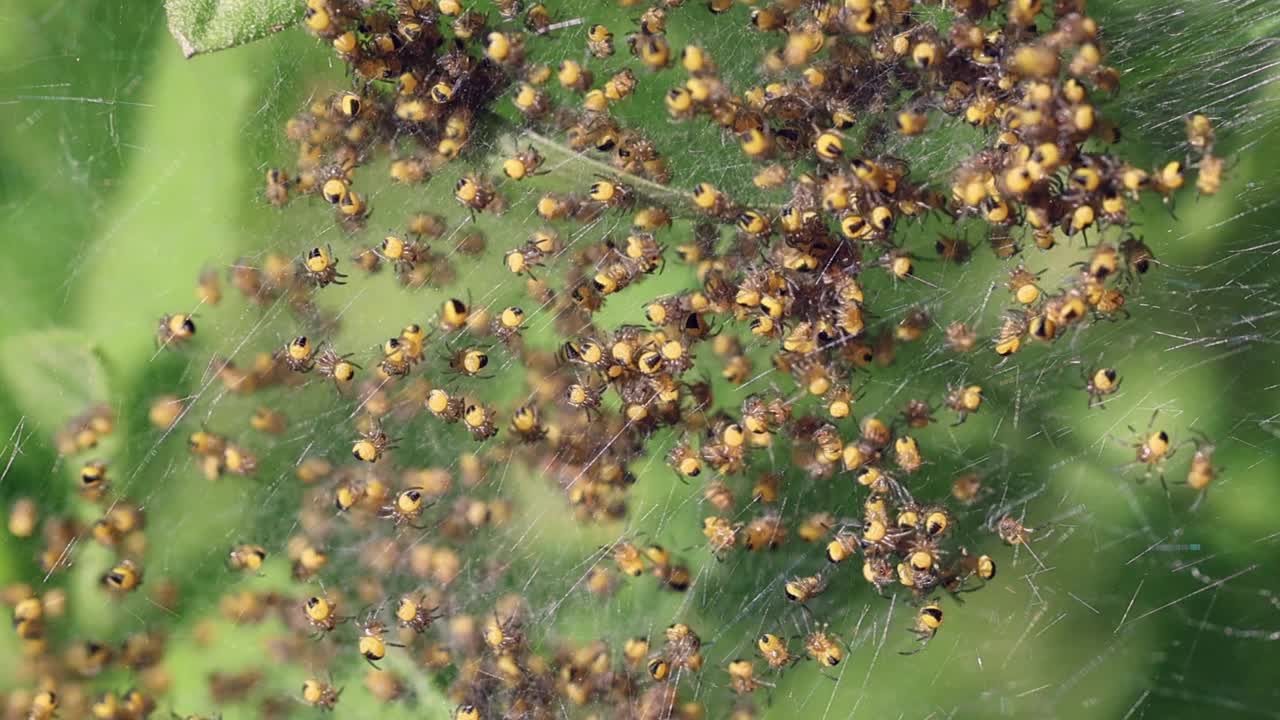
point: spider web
(1126, 601)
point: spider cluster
(788, 276)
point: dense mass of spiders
(780, 278)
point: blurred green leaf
(150, 203)
(202, 26)
(52, 374)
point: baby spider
(445, 406)
(521, 260)
(320, 267)
(775, 652)
(503, 636)
(125, 577)
(965, 400)
(414, 613)
(612, 194)
(174, 330)
(1012, 531)
(721, 534)
(469, 361)
(299, 354)
(685, 460)
(955, 579)
(246, 558)
(920, 568)
(523, 164)
(918, 414)
(318, 693)
(742, 677)
(475, 192)
(332, 365)
(823, 647)
(506, 326)
(1138, 258)
(372, 642)
(800, 590)
(928, 620)
(683, 647)
(371, 444)
(396, 358)
(479, 420)
(407, 507)
(584, 396)
(404, 255)
(1152, 449)
(322, 614)
(1202, 472)
(1100, 384)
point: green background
(125, 170)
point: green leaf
(202, 26)
(150, 203)
(52, 375)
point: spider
(1152, 448)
